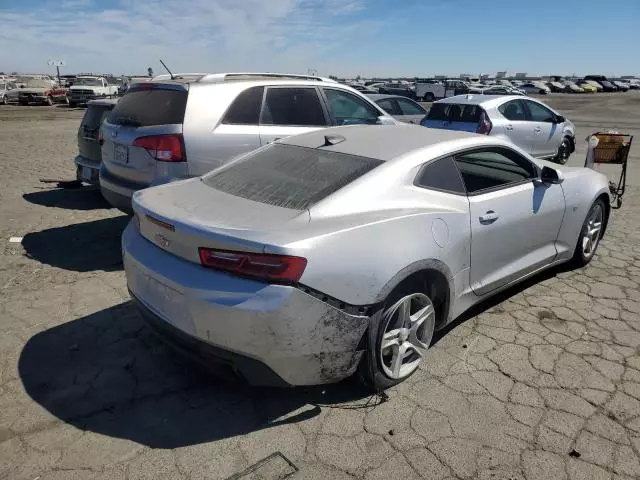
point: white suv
(186, 125)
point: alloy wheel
(591, 231)
(409, 326)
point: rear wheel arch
(431, 277)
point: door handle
(274, 140)
(537, 129)
(489, 217)
(509, 127)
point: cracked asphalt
(542, 382)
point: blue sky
(343, 37)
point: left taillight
(267, 267)
(484, 125)
(164, 148)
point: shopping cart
(612, 149)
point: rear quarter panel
(208, 143)
(358, 255)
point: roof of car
(238, 76)
(382, 142)
(477, 99)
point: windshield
(94, 82)
(35, 83)
(288, 176)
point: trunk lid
(146, 110)
(183, 216)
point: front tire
(49, 101)
(564, 151)
(5, 100)
(400, 334)
(590, 234)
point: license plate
(120, 153)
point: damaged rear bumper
(252, 326)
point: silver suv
(187, 125)
(528, 123)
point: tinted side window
(347, 109)
(493, 168)
(245, 109)
(441, 174)
(540, 113)
(389, 106)
(293, 106)
(513, 110)
(410, 108)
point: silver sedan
(400, 108)
(342, 251)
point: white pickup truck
(90, 88)
(431, 91)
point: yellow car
(587, 87)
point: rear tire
(399, 335)
(428, 97)
(5, 100)
(49, 101)
(590, 234)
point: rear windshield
(150, 106)
(453, 112)
(94, 116)
(288, 176)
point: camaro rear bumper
(298, 337)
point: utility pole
(57, 64)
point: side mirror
(551, 176)
(560, 119)
(384, 120)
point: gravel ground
(542, 383)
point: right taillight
(484, 125)
(101, 138)
(262, 266)
(164, 148)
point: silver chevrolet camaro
(342, 251)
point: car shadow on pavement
(81, 247)
(108, 373)
(500, 297)
(84, 198)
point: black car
(398, 89)
(607, 86)
(89, 155)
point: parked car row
(429, 90)
(254, 224)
